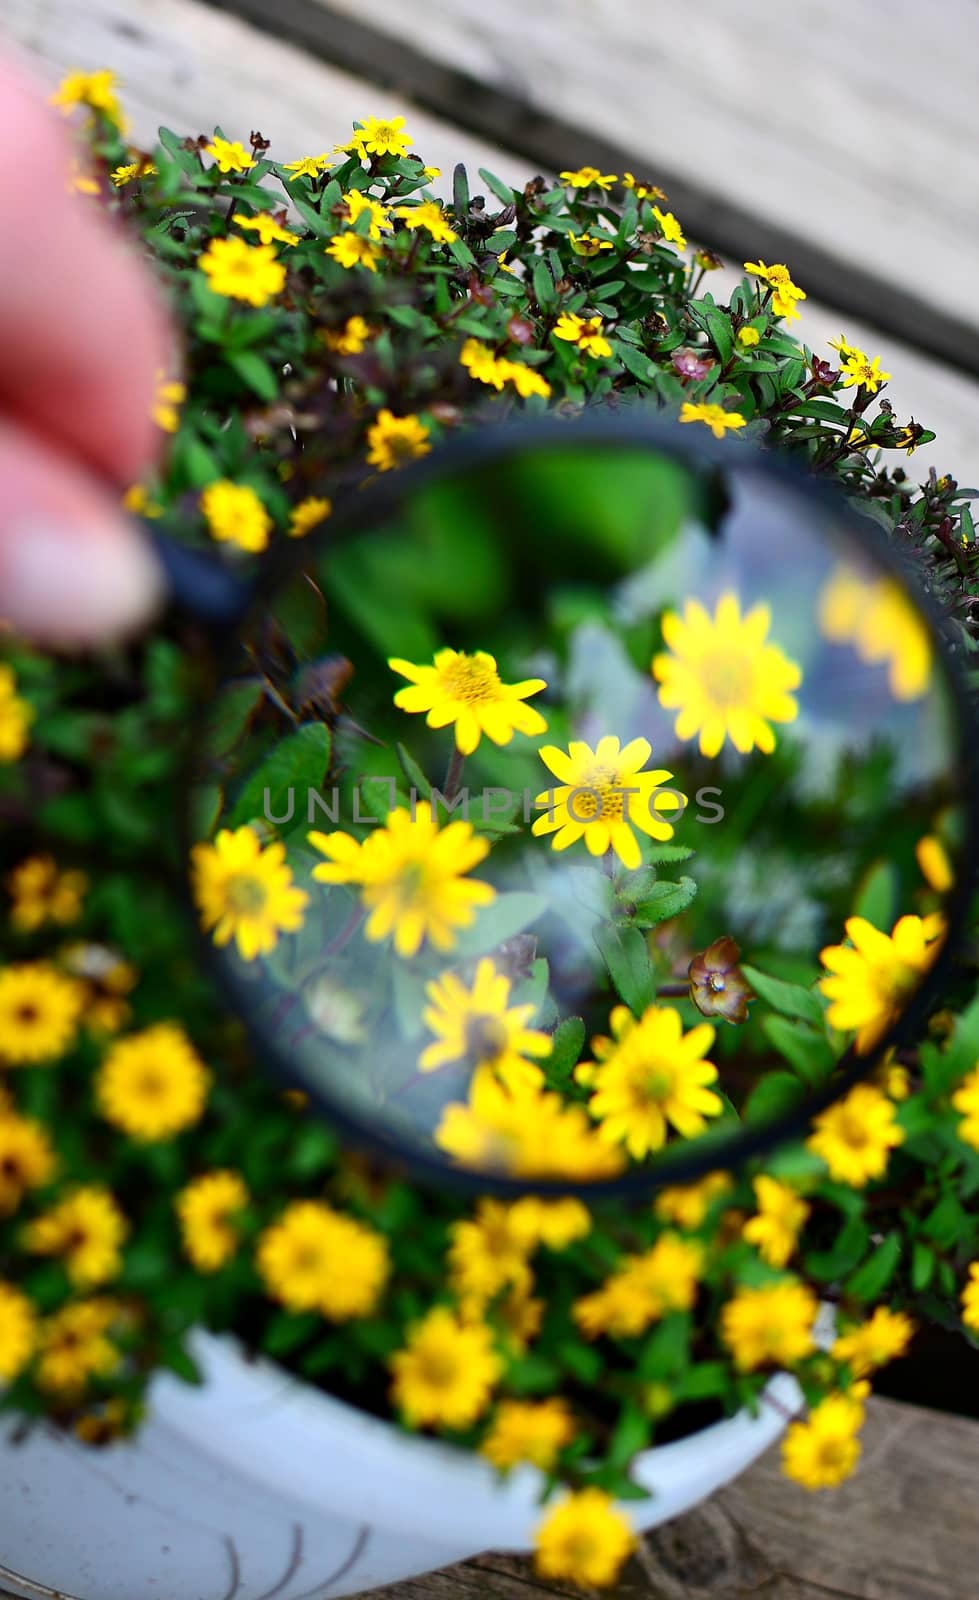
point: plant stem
(453, 776)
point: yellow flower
(308, 514)
(432, 172)
(42, 893)
(966, 1100)
(874, 1343)
(394, 440)
(823, 1451)
(670, 228)
(317, 1259)
(856, 367)
(86, 1230)
(236, 515)
(584, 1539)
(487, 1253)
(553, 1223)
(307, 166)
(379, 137)
(588, 244)
(74, 1346)
(137, 500)
(748, 337)
(27, 1160)
(241, 271)
(107, 980)
(855, 1136)
(525, 379)
(16, 717)
(936, 869)
(530, 1135)
(229, 155)
(642, 191)
(207, 1209)
(478, 1026)
(781, 1217)
(603, 796)
(519, 1316)
(269, 231)
(650, 1077)
(39, 1013)
(411, 875)
(444, 1375)
(467, 692)
(785, 293)
(351, 339)
(970, 1299)
(585, 332)
(430, 216)
(245, 892)
(878, 619)
(724, 677)
(527, 1430)
(379, 216)
(152, 1084)
(713, 417)
(170, 393)
(589, 178)
(688, 1204)
(81, 182)
(644, 1289)
(770, 1326)
(18, 1331)
(483, 365)
(870, 983)
(120, 176)
(97, 90)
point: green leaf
(460, 192)
(665, 900)
(777, 1093)
(844, 1255)
(719, 328)
(923, 1262)
(173, 1355)
(543, 286)
(566, 1046)
(257, 373)
(229, 715)
(506, 915)
(623, 949)
(413, 772)
(287, 1330)
(791, 999)
(297, 764)
(876, 897)
(497, 186)
(870, 1281)
(322, 227)
(630, 1435)
(808, 1052)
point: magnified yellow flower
(315, 1258)
(649, 1077)
(724, 677)
(936, 869)
(378, 136)
(228, 155)
(269, 231)
(588, 178)
(532, 1134)
(466, 691)
(428, 214)
(74, 1346)
(855, 1136)
(823, 1451)
(670, 228)
(152, 1085)
(879, 620)
(42, 892)
(27, 1159)
(585, 1539)
(713, 417)
(207, 1209)
(236, 515)
(39, 1013)
(18, 1331)
(585, 332)
(528, 1430)
(445, 1374)
(241, 271)
(86, 1231)
(770, 1325)
(478, 1025)
(411, 876)
(873, 977)
(16, 716)
(603, 796)
(245, 892)
(782, 1214)
(392, 441)
(883, 1338)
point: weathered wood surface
(906, 1527)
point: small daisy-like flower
(855, 1136)
(588, 178)
(241, 271)
(430, 216)
(86, 1231)
(354, 250)
(778, 279)
(857, 370)
(603, 796)
(782, 1215)
(642, 191)
(552, 1223)
(528, 1430)
(584, 1539)
(871, 979)
(588, 244)
(394, 440)
(74, 1346)
(378, 136)
(236, 515)
(585, 332)
(877, 618)
(483, 365)
(39, 1013)
(748, 337)
(770, 1325)
(97, 90)
(487, 1253)
(649, 1077)
(27, 1159)
(713, 417)
(207, 1209)
(16, 716)
(152, 1085)
(308, 514)
(228, 155)
(42, 892)
(315, 1258)
(170, 393)
(478, 1026)
(18, 1331)
(670, 228)
(358, 204)
(307, 166)
(688, 1204)
(123, 175)
(412, 877)
(466, 692)
(445, 1373)
(724, 677)
(970, 1299)
(643, 1289)
(268, 229)
(823, 1451)
(245, 892)
(868, 1345)
(349, 340)
(526, 380)
(966, 1101)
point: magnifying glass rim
(360, 511)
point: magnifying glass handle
(199, 583)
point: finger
(73, 570)
(82, 332)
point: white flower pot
(257, 1487)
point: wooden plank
(903, 1528)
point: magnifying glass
(557, 818)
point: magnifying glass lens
(580, 813)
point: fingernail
(70, 587)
